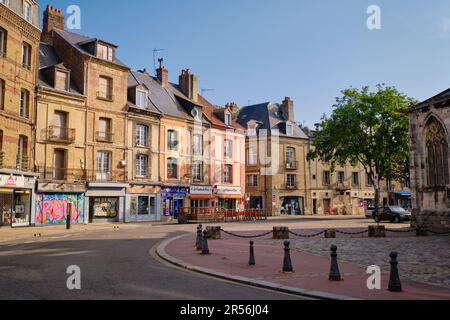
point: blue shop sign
(170, 192)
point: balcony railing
(22, 163)
(61, 174)
(291, 165)
(2, 155)
(107, 176)
(290, 186)
(343, 186)
(105, 96)
(104, 136)
(60, 134)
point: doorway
(6, 206)
(327, 206)
(59, 165)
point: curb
(161, 252)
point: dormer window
(61, 80)
(141, 98)
(289, 129)
(105, 52)
(228, 119)
(27, 11)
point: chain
(352, 233)
(246, 237)
(401, 230)
(307, 235)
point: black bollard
(205, 249)
(394, 279)
(199, 240)
(251, 260)
(287, 263)
(335, 274)
(69, 216)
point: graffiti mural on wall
(53, 208)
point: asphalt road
(115, 264)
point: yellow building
(19, 47)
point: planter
(182, 218)
(330, 233)
(377, 232)
(214, 233)
(280, 233)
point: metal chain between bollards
(246, 237)
(352, 233)
(307, 235)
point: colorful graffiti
(52, 209)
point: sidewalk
(229, 260)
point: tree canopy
(370, 128)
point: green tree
(370, 128)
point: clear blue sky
(264, 50)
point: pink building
(226, 156)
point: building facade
(429, 162)
(19, 48)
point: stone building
(19, 47)
(94, 136)
(276, 166)
(429, 162)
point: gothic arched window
(437, 154)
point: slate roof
(78, 41)
(270, 117)
(445, 95)
(49, 58)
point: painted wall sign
(174, 192)
(11, 181)
(52, 209)
(224, 191)
(201, 190)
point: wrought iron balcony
(104, 136)
(291, 165)
(61, 174)
(22, 163)
(342, 186)
(290, 186)
(2, 155)
(105, 96)
(107, 176)
(60, 134)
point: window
(289, 129)
(388, 185)
(326, 178)
(103, 165)
(198, 144)
(2, 94)
(141, 165)
(26, 56)
(172, 168)
(104, 130)
(198, 171)
(27, 11)
(172, 140)
(22, 159)
(290, 158)
(141, 98)
(5, 2)
(437, 154)
(24, 103)
(355, 179)
(291, 181)
(341, 177)
(227, 174)
(2, 42)
(105, 52)
(252, 156)
(252, 180)
(369, 182)
(105, 86)
(59, 165)
(141, 135)
(228, 119)
(228, 148)
(61, 80)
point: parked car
(392, 214)
(369, 212)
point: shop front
(143, 203)
(292, 206)
(173, 201)
(106, 202)
(16, 200)
(229, 198)
(201, 197)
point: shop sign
(228, 191)
(11, 181)
(175, 191)
(201, 190)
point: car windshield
(398, 210)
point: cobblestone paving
(422, 259)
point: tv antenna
(206, 90)
(154, 56)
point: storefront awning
(402, 194)
(199, 196)
(231, 197)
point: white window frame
(198, 144)
(197, 171)
(27, 8)
(291, 180)
(142, 131)
(228, 148)
(228, 121)
(142, 165)
(138, 102)
(26, 55)
(24, 109)
(228, 175)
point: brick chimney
(53, 19)
(162, 74)
(287, 109)
(233, 107)
(189, 84)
